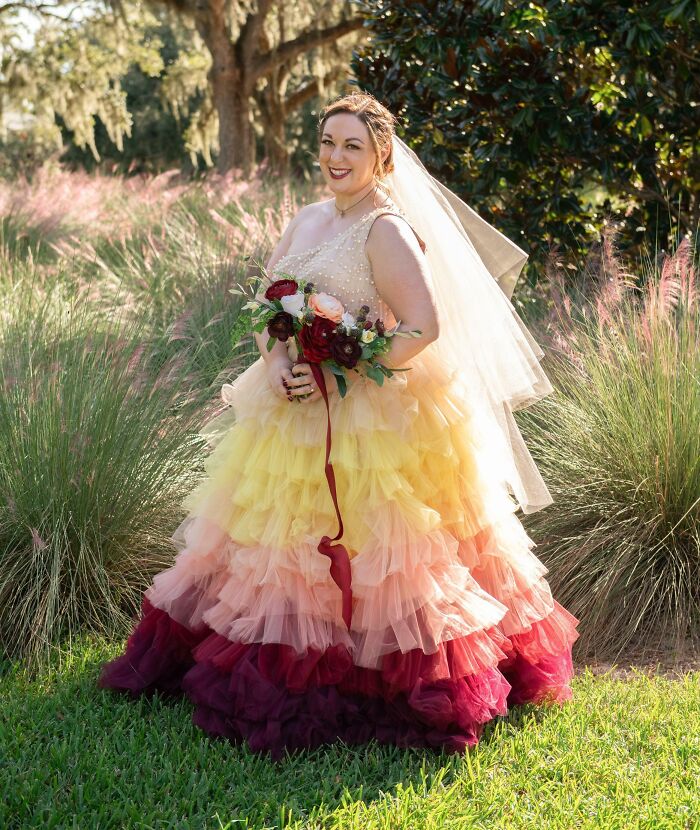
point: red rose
(281, 288)
(316, 339)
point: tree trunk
(277, 150)
(230, 94)
(236, 146)
(273, 118)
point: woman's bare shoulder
(314, 211)
(391, 232)
(306, 214)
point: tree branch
(685, 55)
(186, 7)
(195, 9)
(249, 37)
(308, 91)
(646, 194)
(49, 9)
(301, 44)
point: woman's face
(346, 146)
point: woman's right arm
(278, 353)
(279, 366)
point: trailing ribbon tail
(340, 561)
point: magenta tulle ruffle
(274, 699)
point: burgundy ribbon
(340, 561)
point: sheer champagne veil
(483, 343)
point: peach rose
(326, 306)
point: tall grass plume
(619, 446)
(96, 457)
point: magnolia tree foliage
(548, 116)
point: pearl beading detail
(340, 266)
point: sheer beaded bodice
(340, 266)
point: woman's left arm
(402, 277)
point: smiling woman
(348, 160)
(435, 617)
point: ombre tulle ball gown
(452, 618)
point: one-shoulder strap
(394, 211)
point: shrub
(97, 453)
(619, 445)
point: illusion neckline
(334, 238)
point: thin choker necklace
(343, 212)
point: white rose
(368, 336)
(348, 321)
(293, 303)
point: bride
(443, 618)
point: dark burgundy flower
(367, 324)
(281, 326)
(379, 326)
(345, 350)
(316, 339)
(362, 314)
(308, 288)
(281, 288)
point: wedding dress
(452, 618)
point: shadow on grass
(332, 774)
(80, 750)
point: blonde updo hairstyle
(379, 121)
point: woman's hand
(279, 376)
(303, 383)
(292, 380)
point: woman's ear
(384, 155)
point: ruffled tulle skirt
(452, 618)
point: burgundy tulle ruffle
(274, 699)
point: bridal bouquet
(324, 331)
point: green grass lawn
(622, 754)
